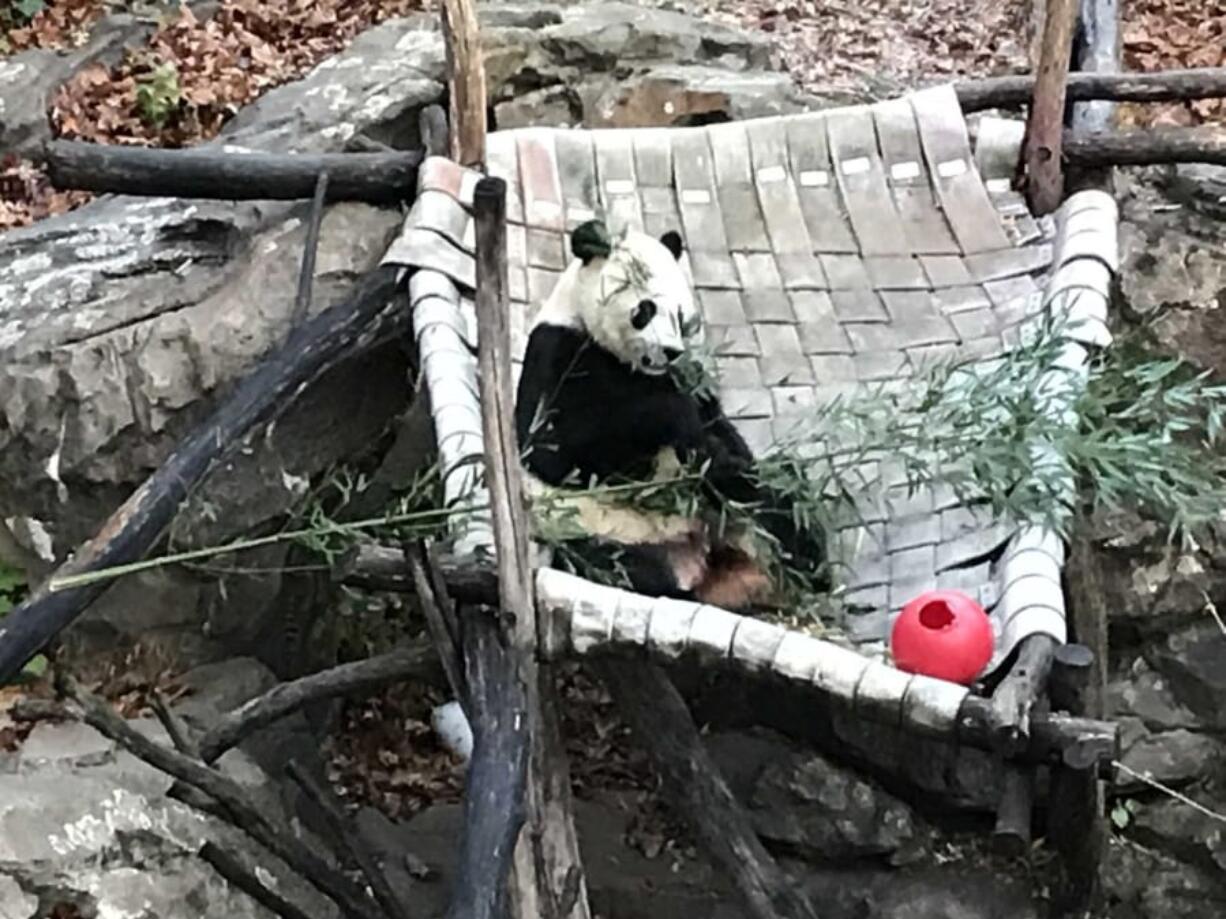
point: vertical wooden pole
(1096, 50)
(1045, 127)
(1075, 802)
(549, 881)
(465, 82)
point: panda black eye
(643, 314)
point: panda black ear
(591, 240)
(672, 242)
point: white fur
(601, 296)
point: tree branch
(360, 676)
(350, 841)
(238, 876)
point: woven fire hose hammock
(828, 250)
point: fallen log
(1164, 86)
(228, 174)
(1148, 147)
(1076, 825)
(369, 315)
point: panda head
(632, 295)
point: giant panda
(600, 402)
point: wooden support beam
(210, 172)
(1096, 50)
(1052, 737)
(1159, 86)
(659, 718)
(495, 787)
(1020, 690)
(548, 869)
(1045, 127)
(465, 82)
(1076, 823)
(1147, 147)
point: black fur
(581, 413)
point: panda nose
(671, 354)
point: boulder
(1193, 660)
(124, 323)
(86, 825)
(801, 800)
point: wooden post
(1012, 833)
(1075, 805)
(549, 872)
(465, 82)
(1097, 51)
(1020, 690)
(1045, 127)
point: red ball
(943, 634)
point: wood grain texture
(206, 172)
(465, 82)
(1045, 127)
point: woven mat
(829, 251)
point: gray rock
(669, 96)
(15, 903)
(1189, 834)
(803, 801)
(1146, 695)
(1141, 883)
(1200, 186)
(122, 323)
(1193, 660)
(957, 890)
(84, 823)
(1171, 256)
(605, 36)
(619, 65)
(1171, 757)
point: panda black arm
(551, 353)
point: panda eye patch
(643, 314)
